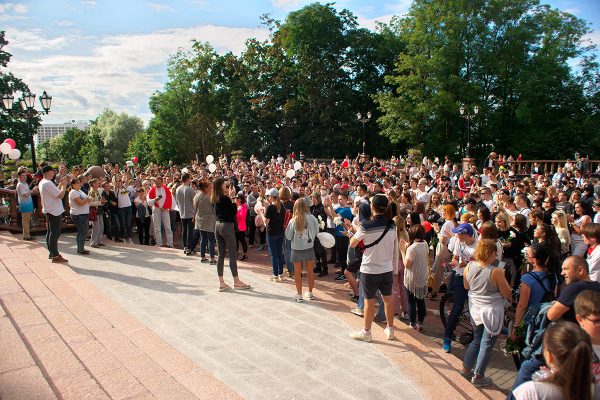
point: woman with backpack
(537, 286)
(301, 232)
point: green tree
(66, 147)
(14, 123)
(115, 131)
(511, 58)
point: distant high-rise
(48, 131)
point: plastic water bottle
(541, 375)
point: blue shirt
(537, 292)
(345, 213)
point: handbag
(93, 215)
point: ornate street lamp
(363, 119)
(466, 114)
(28, 103)
(7, 101)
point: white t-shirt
(51, 203)
(446, 231)
(593, 261)
(23, 189)
(464, 252)
(123, 199)
(538, 391)
(75, 208)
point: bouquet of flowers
(337, 220)
(321, 223)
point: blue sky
(93, 54)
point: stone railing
(11, 220)
(550, 166)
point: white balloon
(129, 163)
(184, 170)
(212, 168)
(327, 240)
(297, 165)
(290, 173)
(14, 154)
(209, 159)
(5, 148)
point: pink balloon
(12, 143)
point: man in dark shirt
(575, 270)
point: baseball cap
(273, 192)
(464, 228)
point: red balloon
(427, 225)
(345, 164)
(135, 159)
(12, 143)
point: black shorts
(373, 282)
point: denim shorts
(373, 282)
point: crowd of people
(397, 231)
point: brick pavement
(145, 322)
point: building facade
(48, 131)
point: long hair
(299, 215)
(401, 231)
(217, 189)
(571, 348)
(561, 217)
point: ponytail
(572, 350)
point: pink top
(242, 212)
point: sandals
(224, 288)
(242, 287)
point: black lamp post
(466, 114)
(363, 120)
(28, 103)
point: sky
(96, 54)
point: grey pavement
(259, 342)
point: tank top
(480, 282)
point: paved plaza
(142, 322)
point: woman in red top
(242, 214)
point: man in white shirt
(52, 207)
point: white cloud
(33, 40)
(160, 7)
(593, 37)
(64, 22)
(289, 4)
(89, 3)
(119, 72)
(12, 11)
(399, 7)
(371, 23)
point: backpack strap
(541, 283)
(380, 238)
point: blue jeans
(457, 287)
(207, 239)
(124, 214)
(81, 223)
(275, 243)
(479, 351)
(524, 375)
(287, 254)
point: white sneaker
(298, 298)
(273, 278)
(308, 295)
(389, 333)
(361, 335)
(280, 278)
